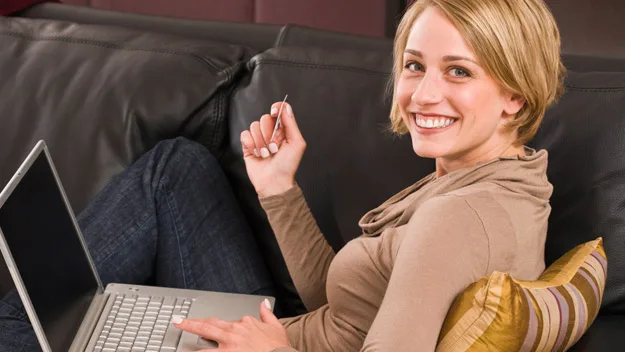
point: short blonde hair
(517, 42)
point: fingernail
(274, 110)
(290, 110)
(176, 319)
(256, 153)
(273, 148)
(267, 304)
(264, 152)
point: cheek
(403, 92)
(476, 101)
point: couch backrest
(291, 35)
(264, 36)
(351, 165)
(227, 32)
(114, 91)
(585, 136)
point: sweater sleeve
(445, 248)
(306, 251)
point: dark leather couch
(101, 95)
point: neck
(450, 164)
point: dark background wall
(591, 26)
(367, 17)
(587, 26)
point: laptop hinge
(89, 322)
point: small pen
(275, 129)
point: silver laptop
(58, 283)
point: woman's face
(454, 110)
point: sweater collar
(525, 174)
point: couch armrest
(605, 334)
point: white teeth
(437, 123)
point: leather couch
(102, 89)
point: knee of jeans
(182, 154)
(9, 310)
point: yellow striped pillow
(500, 313)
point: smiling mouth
(433, 123)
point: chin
(427, 151)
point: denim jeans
(170, 220)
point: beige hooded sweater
(390, 289)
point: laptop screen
(48, 254)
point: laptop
(62, 293)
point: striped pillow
(499, 313)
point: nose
(428, 91)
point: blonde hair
(517, 42)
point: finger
(248, 320)
(255, 151)
(266, 315)
(291, 129)
(247, 144)
(259, 141)
(222, 324)
(204, 328)
(267, 127)
(277, 140)
(267, 124)
(275, 108)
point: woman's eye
(459, 72)
(413, 66)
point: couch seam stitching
(581, 89)
(319, 66)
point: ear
(513, 103)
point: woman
(472, 80)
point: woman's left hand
(246, 335)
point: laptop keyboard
(142, 323)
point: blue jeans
(169, 220)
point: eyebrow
(446, 58)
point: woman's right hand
(272, 163)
